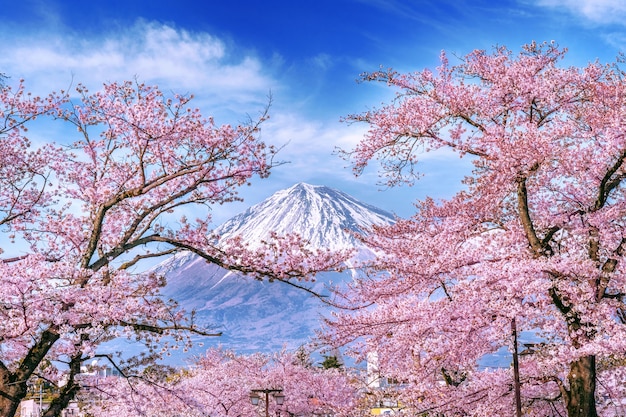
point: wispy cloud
(310, 145)
(228, 83)
(155, 53)
(593, 11)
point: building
(35, 408)
(30, 408)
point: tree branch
(607, 185)
(524, 213)
(162, 329)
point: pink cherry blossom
(220, 383)
(537, 235)
(92, 208)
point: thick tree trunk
(10, 397)
(68, 392)
(13, 387)
(582, 382)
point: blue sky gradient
(308, 54)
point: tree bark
(13, 387)
(581, 401)
(10, 398)
(67, 392)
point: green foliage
(161, 373)
(331, 362)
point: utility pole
(517, 384)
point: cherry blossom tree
(536, 237)
(91, 209)
(24, 172)
(220, 384)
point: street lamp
(276, 393)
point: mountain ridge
(319, 227)
(258, 315)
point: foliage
(331, 362)
(220, 383)
(88, 211)
(537, 235)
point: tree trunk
(68, 392)
(582, 382)
(13, 387)
(10, 397)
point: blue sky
(308, 54)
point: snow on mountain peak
(267, 316)
(322, 215)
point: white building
(30, 408)
(33, 408)
(72, 410)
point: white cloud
(310, 148)
(322, 61)
(594, 11)
(309, 145)
(175, 59)
(228, 83)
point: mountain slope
(318, 213)
(263, 316)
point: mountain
(318, 213)
(258, 315)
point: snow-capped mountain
(262, 316)
(318, 213)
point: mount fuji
(261, 316)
